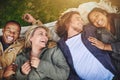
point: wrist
(34, 21)
(107, 47)
(103, 46)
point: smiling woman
(38, 61)
(107, 32)
(98, 18)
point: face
(98, 19)
(76, 23)
(39, 38)
(11, 33)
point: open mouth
(44, 42)
(100, 22)
(10, 38)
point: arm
(99, 44)
(9, 71)
(114, 45)
(90, 33)
(30, 19)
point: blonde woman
(37, 61)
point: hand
(34, 61)
(28, 18)
(14, 67)
(8, 71)
(99, 44)
(26, 68)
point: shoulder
(114, 17)
(56, 54)
(89, 30)
(54, 49)
(51, 44)
(20, 40)
(19, 43)
(24, 52)
(89, 27)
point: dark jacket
(108, 37)
(102, 56)
(113, 39)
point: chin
(44, 46)
(8, 42)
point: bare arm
(99, 44)
(30, 19)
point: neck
(35, 52)
(72, 32)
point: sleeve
(56, 69)
(116, 47)
(89, 30)
(19, 61)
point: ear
(31, 38)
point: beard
(80, 29)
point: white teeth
(10, 38)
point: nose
(82, 22)
(12, 33)
(45, 37)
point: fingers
(92, 39)
(10, 67)
(26, 17)
(34, 62)
(29, 18)
(26, 67)
(8, 73)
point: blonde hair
(29, 33)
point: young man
(86, 61)
(10, 46)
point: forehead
(75, 16)
(12, 26)
(38, 30)
(95, 12)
